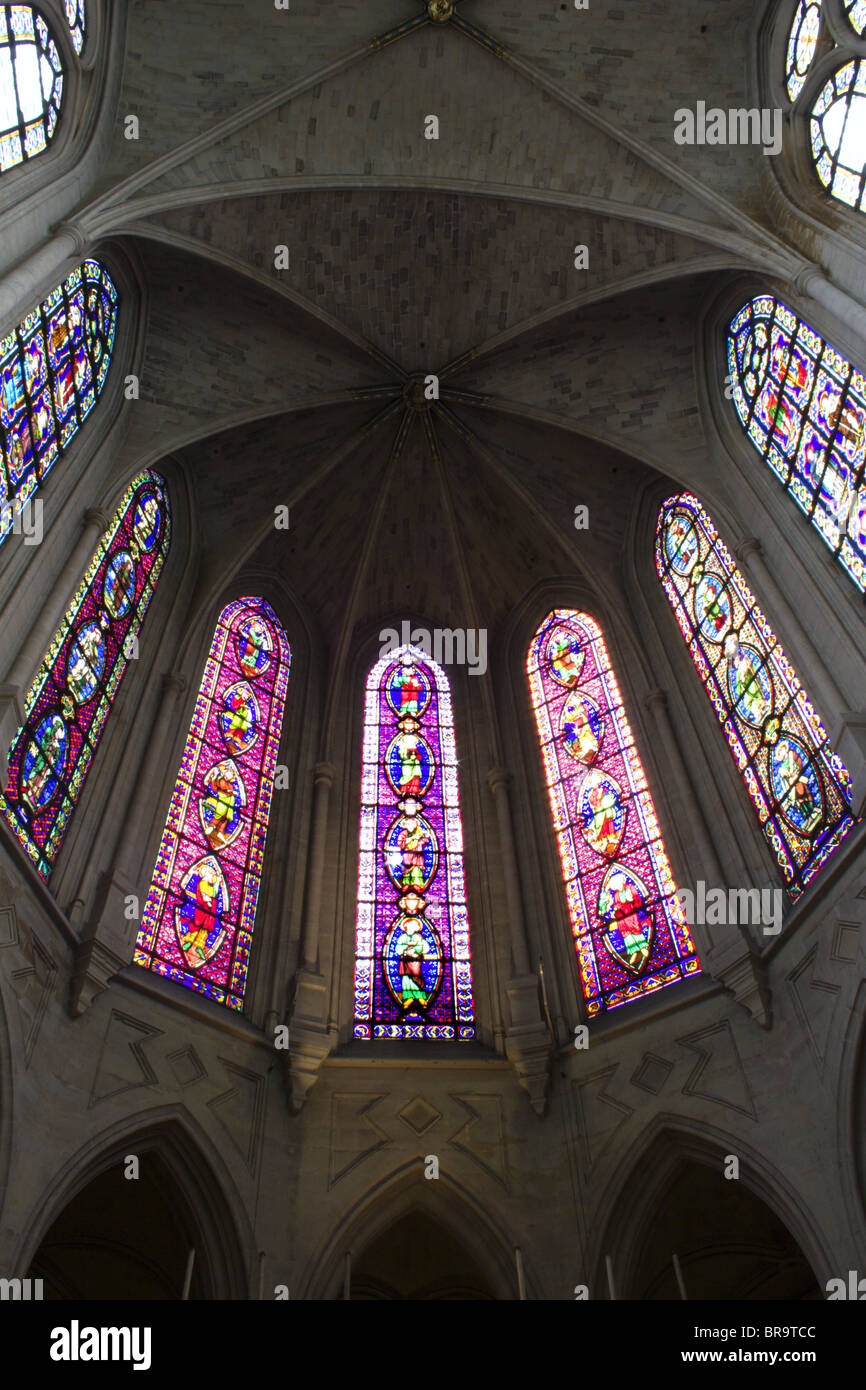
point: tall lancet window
(197, 926)
(52, 369)
(413, 977)
(31, 84)
(70, 699)
(800, 788)
(803, 407)
(629, 928)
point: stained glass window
(802, 42)
(856, 12)
(52, 369)
(800, 788)
(77, 21)
(629, 927)
(69, 701)
(803, 407)
(197, 926)
(413, 976)
(31, 85)
(838, 126)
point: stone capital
(656, 700)
(324, 773)
(497, 778)
(748, 548)
(96, 519)
(173, 683)
(11, 720)
(76, 234)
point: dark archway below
(730, 1244)
(417, 1258)
(122, 1238)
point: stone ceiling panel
(623, 371)
(427, 276)
(638, 63)
(191, 64)
(496, 127)
(240, 477)
(220, 348)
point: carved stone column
(732, 958)
(23, 286)
(812, 282)
(309, 1039)
(22, 670)
(815, 677)
(528, 1043)
(107, 947)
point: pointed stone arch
(444, 1203)
(196, 1189)
(670, 1152)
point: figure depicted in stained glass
(53, 367)
(254, 647)
(582, 728)
(800, 788)
(198, 920)
(418, 964)
(86, 662)
(44, 763)
(629, 929)
(628, 925)
(412, 970)
(71, 696)
(602, 817)
(750, 685)
(803, 406)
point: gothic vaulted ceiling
(305, 128)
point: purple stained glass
(71, 696)
(799, 786)
(198, 921)
(413, 975)
(629, 928)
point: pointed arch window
(53, 367)
(413, 975)
(803, 406)
(31, 85)
(197, 925)
(71, 697)
(629, 928)
(802, 43)
(76, 18)
(800, 788)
